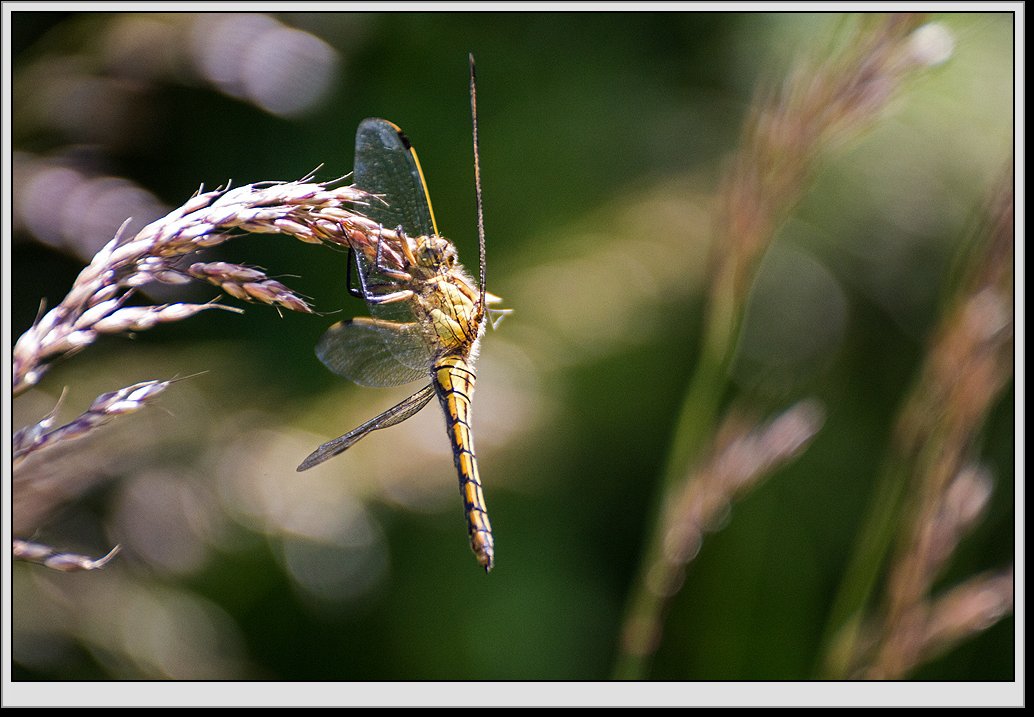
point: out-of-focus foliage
(602, 137)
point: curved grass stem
(820, 103)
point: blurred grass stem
(968, 364)
(819, 103)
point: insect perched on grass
(428, 314)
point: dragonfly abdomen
(453, 378)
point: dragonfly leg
(352, 257)
(368, 291)
(379, 259)
(404, 243)
(385, 324)
(404, 295)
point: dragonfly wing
(394, 415)
(373, 352)
(386, 164)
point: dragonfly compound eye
(436, 253)
(449, 255)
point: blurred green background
(603, 137)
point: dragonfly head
(435, 254)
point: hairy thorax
(446, 299)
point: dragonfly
(427, 313)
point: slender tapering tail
(453, 378)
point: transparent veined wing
(386, 165)
(393, 416)
(375, 353)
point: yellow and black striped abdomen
(453, 378)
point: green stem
(696, 420)
(874, 543)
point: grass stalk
(907, 529)
(821, 102)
